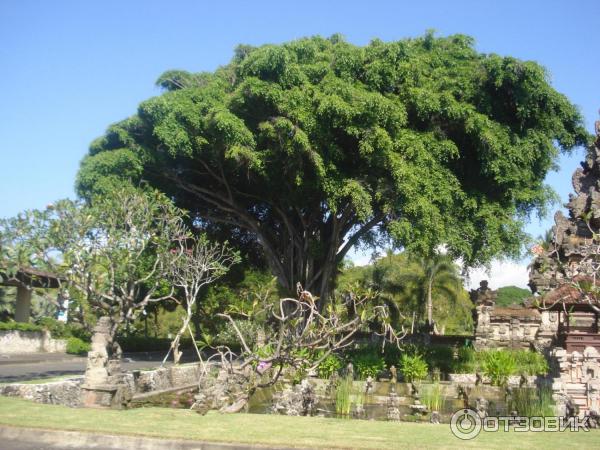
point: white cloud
(501, 273)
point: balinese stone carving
(571, 253)
(393, 403)
(517, 326)
(105, 384)
(577, 385)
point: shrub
(524, 362)
(19, 326)
(367, 362)
(439, 357)
(413, 367)
(57, 329)
(391, 355)
(467, 361)
(76, 346)
(498, 366)
(530, 363)
(331, 364)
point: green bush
(19, 326)
(76, 346)
(57, 329)
(521, 362)
(498, 365)
(467, 361)
(367, 362)
(331, 364)
(413, 367)
(391, 355)
(530, 363)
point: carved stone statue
(104, 384)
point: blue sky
(70, 68)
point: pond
(442, 396)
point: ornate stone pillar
(104, 385)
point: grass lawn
(275, 430)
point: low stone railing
(471, 379)
(141, 384)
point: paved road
(14, 368)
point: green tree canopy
(508, 295)
(310, 147)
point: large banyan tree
(313, 146)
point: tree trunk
(429, 304)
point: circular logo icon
(465, 424)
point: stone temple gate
(562, 318)
(25, 280)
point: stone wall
(14, 341)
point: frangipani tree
(193, 264)
(116, 254)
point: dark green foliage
(498, 365)
(57, 329)
(148, 344)
(19, 326)
(330, 365)
(508, 295)
(413, 367)
(367, 361)
(303, 146)
(500, 362)
(76, 346)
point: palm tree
(441, 273)
(414, 281)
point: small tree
(111, 254)
(195, 263)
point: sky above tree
(72, 68)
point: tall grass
(342, 396)
(530, 402)
(432, 397)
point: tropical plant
(330, 365)
(409, 284)
(498, 365)
(312, 146)
(413, 367)
(367, 362)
